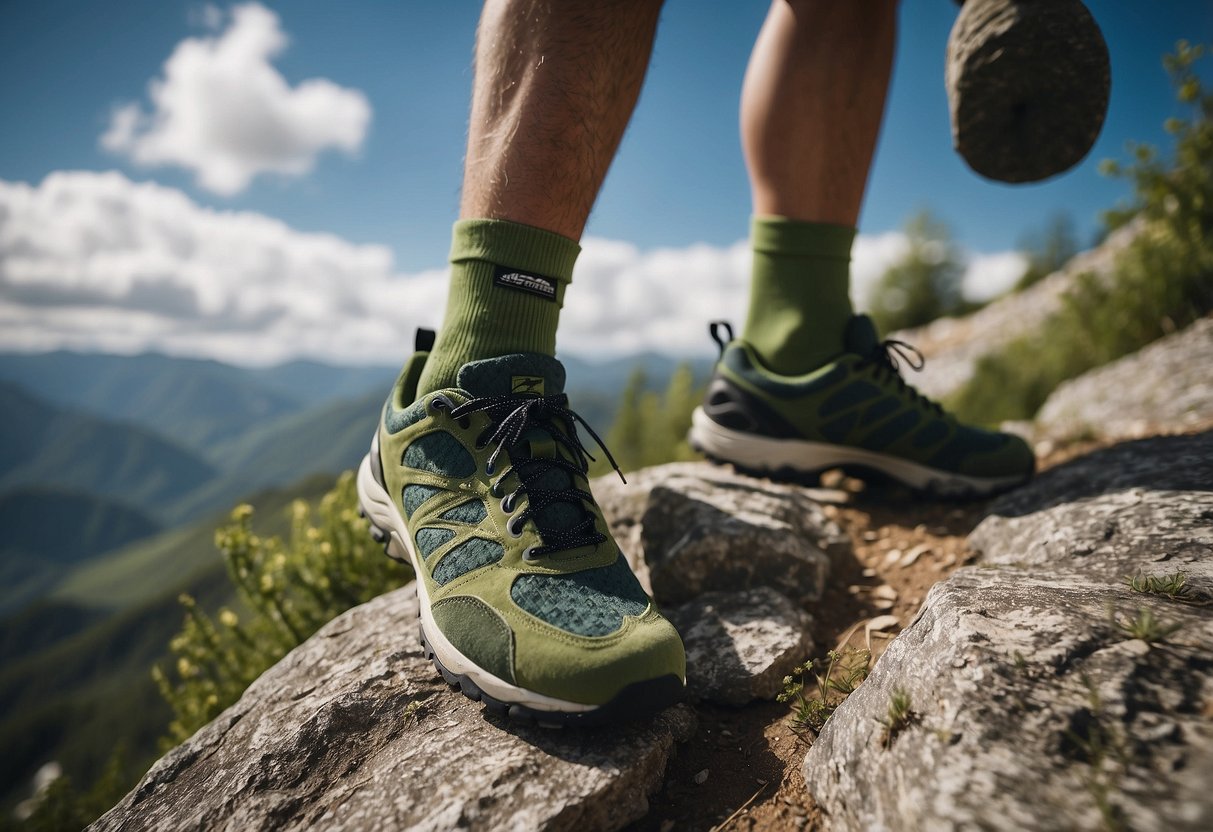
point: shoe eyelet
(464, 422)
(510, 527)
(489, 469)
(529, 554)
(440, 403)
(507, 503)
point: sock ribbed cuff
(799, 292)
(506, 288)
(795, 238)
(516, 246)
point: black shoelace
(510, 418)
(885, 354)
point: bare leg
(556, 83)
(812, 103)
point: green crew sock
(507, 287)
(799, 293)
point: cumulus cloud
(989, 275)
(94, 261)
(222, 110)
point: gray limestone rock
(1141, 506)
(1034, 702)
(691, 528)
(740, 645)
(1165, 387)
(1030, 708)
(329, 739)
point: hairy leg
(555, 85)
(812, 103)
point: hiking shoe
(855, 413)
(526, 602)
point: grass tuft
(900, 715)
(1173, 586)
(1145, 626)
(844, 671)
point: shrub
(288, 591)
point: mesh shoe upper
(519, 565)
(860, 400)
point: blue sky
(67, 66)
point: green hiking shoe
(526, 602)
(855, 413)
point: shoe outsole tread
(935, 489)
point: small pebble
(892, 557)
(883, 604)
(701, 777)
(869, 572)
(885, 591)
(881, 622)
(855, 589)
(869, 536)
(913, 555)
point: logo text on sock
(527, 384)
(535, 284)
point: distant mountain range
(175, 438)
(71, 448)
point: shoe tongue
(521, 372)
(860, 335)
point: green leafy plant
(1145, 626)
(813, 704)
(288, 589)
(1173, 586)
(1161, 281)
(898, 717)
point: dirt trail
(902, 546)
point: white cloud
(222, 110)
(94, 261)
(989, 275)
(871, 256)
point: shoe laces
(884, 356)
(511, 418)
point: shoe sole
(499, 696)
(796, 459)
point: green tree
(626, 436)
(650, 428)
(925, 284)
(1048, 250)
